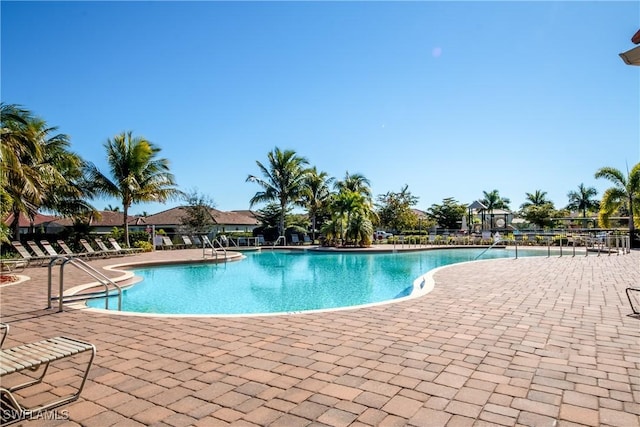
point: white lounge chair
(90, 251)
(67, 251)
(36, 249)
(167, 243)
(49, 249)
(37, 356)
(187, 241)
(122, 250)
(26, 255)
(105, 249)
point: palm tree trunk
(15, 225)
(125, 215)
(281, 225)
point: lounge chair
(105, 249)
(187, 241)
(196, 241)
(120, 249)
(307, 239)
(167, 243)
(294, 239)
(49, 249)
(90, 251)
(13, 265)
(633, 294)
(206, 242)
(261, 240)
(32, 357)
(67, 251)
(36, 250)
(24, 253)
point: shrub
(146, 246)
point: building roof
(174, 216)
(234, 217)
(25, 221)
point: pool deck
(531, 342)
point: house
(45, 224)
(105, 221)
(171, 221)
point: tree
(447, 214)
(138, 175)
(538, 198)
(197, 216)
(394, 209)
(351, 218)
(624, 194)
(316, 195)
(269, 218)
(540, 215)
(283, 182)
(583, 200)
(492, 200)
(537, 209)
(356, 183)
(38, 169)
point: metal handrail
(91, 271)
(214, 251)
(278, 239)
(492, 245)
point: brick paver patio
(532, 342)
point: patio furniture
(187, 241)
(307, 239)
(105, 249)
(36, 250)
(33, 357)
(12, 265)
(24, 253)
(90, 251)
(196, 241)
(633, 294)
(294, 239)
(167, 243)
(120, 249)
(48, 248)
(67, 251)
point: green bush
(146, 246)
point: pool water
(284, 282)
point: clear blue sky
(451, 98)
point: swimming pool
(285, 282)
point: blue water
(275, 282)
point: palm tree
(538, 198)
(625, 193)
(316, 194)
(38, 170)
(492, 200)
(283, 182)
(355, 182)
(138, 174)
(583, 200)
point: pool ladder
(214, 250)
(110, 287)
(492, 245)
